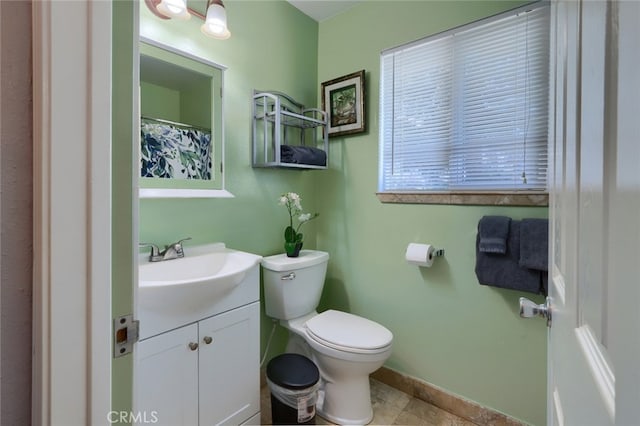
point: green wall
(159, 102)
(448, 330)
(273, 47)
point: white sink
(200, 279)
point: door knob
(193, 346)
(529, 309)
(208, 339)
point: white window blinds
(468, 109)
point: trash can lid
(292, 371)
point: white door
(594, 343)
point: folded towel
(534, 244)
(303, 155)
(503, 271)
(493, 232)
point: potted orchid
(292, 235)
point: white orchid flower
(292, 202)
(304, 217)
(295, 199)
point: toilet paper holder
(437, 252)
(422, 254)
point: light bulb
(216, 23)
(174, 9)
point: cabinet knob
(193, 346)
(207, 339)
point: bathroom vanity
(197, 362)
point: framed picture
(343, 100)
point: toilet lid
(341, 329)
(306, 259)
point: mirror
(181, 124)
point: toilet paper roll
(420, 254)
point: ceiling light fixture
(215, 24)
(173, 9)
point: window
(467, 110)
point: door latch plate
(125, 334)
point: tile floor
(390, 407)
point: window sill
(478, 198)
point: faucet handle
(180, 241)
(177, 246)
(155, 251)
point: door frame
(72, 212)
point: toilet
(345, 347)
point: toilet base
(347, 403)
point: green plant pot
(292, 249)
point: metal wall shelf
(279, 120)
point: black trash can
(293, 380)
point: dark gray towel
(303, 155)
(534, 244)
(493, 232)
(503, 270)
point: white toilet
(345, 347)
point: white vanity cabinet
(204, 373)
(229, 366)
(167, 373)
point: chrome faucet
(172, 251)
(155, 252)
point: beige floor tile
(322, 421)
(384, 414)
(418, 412)
(390, 406)
(387, 403)
(410, 420)
(385, 394)
(265, 406)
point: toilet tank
(293, 285)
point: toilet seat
(349, 333)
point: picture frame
(343, 100)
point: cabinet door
(230, 366)
(166, 385)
